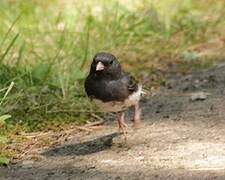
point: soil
(179, 138)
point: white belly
(115, 106)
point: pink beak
(100, 66)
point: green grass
(46, 48)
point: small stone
(166, 116)
(118, 178)
(27, 164)
(199, 96)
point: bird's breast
(116, 106)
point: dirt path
(179, 139)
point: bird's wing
(132, 83)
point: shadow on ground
(70, 172)
(84, 148)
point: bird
(113, 90)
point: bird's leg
(122, 124)
(137, 115)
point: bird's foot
(136, 124)
(123, 130)
(137, 116)
(123, 127)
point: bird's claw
(136, 124)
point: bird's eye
(95, 61)
(111, 62)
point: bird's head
(105, 64)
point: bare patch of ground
(179, 139)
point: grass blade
(20, 54)
(89, 21)
(10, 29)
(7, 92)
(9, 47)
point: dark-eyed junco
(112, 89)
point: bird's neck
(108, 76)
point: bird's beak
(100, 66)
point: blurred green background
(46, 48)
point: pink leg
(122, 124)
(137, 115)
